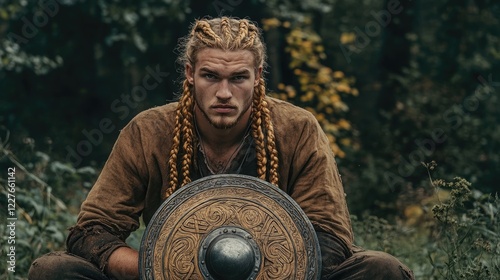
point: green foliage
(437, 100)
(461, 241)
(428, 88)
(47, 198)
(77, 59)
(299, 10)
(467, 233)
(319, 89)
(12, 58)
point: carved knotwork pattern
(180, 226)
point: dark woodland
(408, 93)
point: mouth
(223, 109)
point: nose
(223, 92)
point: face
(224, 84)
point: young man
(223, 123)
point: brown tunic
(134, 179)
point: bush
(47, 198)
(461, 241)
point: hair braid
(187, 131)
(242, 34)
(258, 134)
(253, 33)
(263, 134)
(271, 143)
(183, 131)
(172, 162)
(205, 33)
(225, 27)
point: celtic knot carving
(283, 237)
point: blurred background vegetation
(394, 84)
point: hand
(123, 264)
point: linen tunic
(135, 177)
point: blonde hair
(226, 34)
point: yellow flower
(334, 98)
(320, 48)
(345, 142)
(344, 124)
(343, 88)
(307, 45)
(338, 74)
(291, 91)
(347, 38)
(271, 23)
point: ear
(189, 72)
(258, 75)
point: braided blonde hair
(227, 34)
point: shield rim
(294, 211)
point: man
(223, 123)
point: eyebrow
(241, 72)
(204, 69)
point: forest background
(407, 91)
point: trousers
(363, 264)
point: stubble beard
(218, 124)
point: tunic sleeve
(310, 176)
(315, 182)
(114, 204)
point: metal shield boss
(229, 227)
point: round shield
(228, 227)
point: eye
(239, 78)
(209, 76)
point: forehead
(217, 59)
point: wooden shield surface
(270, 227)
